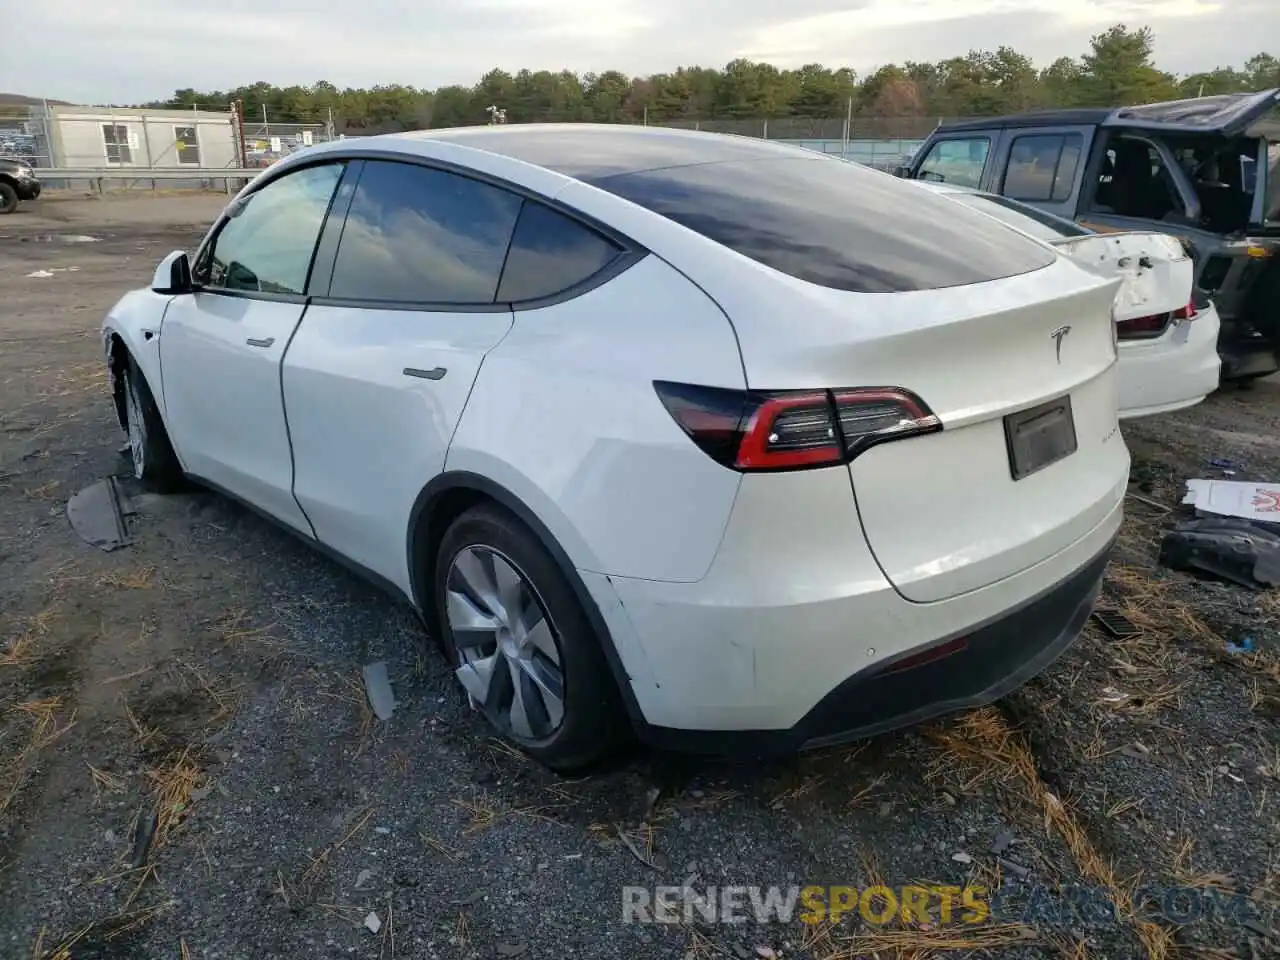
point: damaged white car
(1168, 334)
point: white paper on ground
(1235, 498)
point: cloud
(143, 49)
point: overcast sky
(138, 50)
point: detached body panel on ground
(582, 403)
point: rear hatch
(1029, 459)
(1154, 269)
(1021, 372)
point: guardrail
(97, 175)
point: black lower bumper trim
(980, 666)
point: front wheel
(521, 644)
(154, 461)
(8, 198)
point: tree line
(1117, 69)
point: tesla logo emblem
(1058, 336)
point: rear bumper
(793, 637)
(1175, 371)
(996, 659)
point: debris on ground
(1244, 646)
(1116, 623)
(1234, 498)
(962, 857)
(377, 686)
(635, 850)
(1230, 548)
(372, 922)
(97, 515)
(145, 833)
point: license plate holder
(1039, 436)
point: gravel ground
(206, 680)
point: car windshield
(1022, 216)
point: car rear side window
(1043, 167)
(835, 223)
(551, 253)
(418, 235)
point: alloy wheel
(137, 428)
(508, 656)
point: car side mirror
(931, 176)
(903, 171)
(173, 276)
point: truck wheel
(8, 198)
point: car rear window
(834, 223)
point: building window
(115, 137)
(186, 145)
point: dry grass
(139, 578)
(983, 741)
(172, 783)
(47, 721)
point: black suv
(17, 183)
(1206, 170)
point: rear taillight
(1186, 313)
(1143, 328)
(793, 429)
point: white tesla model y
(726, 442)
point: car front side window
(267, 242)
(959, 162)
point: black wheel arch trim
(421, 535)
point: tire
(488, 554)
(8, 198)
(154, 461)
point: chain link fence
(231, 135)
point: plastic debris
(1244, 646)
(962, 857)
(372, 922)
(1116, 624)
(1231, 548)
(377, 686)
(97, 515)
(1235, 498)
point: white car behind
(1168, 337)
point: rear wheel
(8, 198)
(521, 645)
(154, 461)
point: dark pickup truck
(17, 183)
(1206, 170)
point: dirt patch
(188, 766)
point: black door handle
(435, 373)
